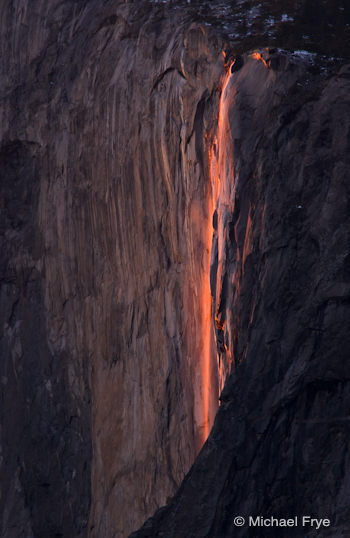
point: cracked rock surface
(280, 443)
(103, 192)
(108, 115)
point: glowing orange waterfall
(222, 186)
(220, 169)
(208, 348)
(221, 163)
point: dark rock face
(42, 434)
(108, 354)
(45, 445)
(280, 442)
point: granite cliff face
(280, 443)
(106, 401)
(139, 178)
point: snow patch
(286, 18)
(305, 55)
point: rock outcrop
(105, 268)
(115, 235)
(280, 443)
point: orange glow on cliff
(206, 324)
(219, 324)
(204, 381)
(222, 179)
(221, 197)
(258, 56)
(219, 152)
(210, 396)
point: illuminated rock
(116, 231)
(109, 369)
(279, 278)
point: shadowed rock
(279, 445)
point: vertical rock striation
(105, 274)
(124, 210)
(280, 443)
